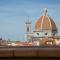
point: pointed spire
(27, 20)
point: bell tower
(27, 29)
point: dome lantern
(45, 11)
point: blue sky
(13, 13)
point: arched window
(37, 33)
(27, 29)
(45, 33)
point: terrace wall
(30, 52)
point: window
(45, 33)
(37, 33)
(28, 29)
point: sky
(13, 14)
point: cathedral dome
(45, 23)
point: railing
(29, 51)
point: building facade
(44, 27)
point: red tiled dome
(45, 23)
